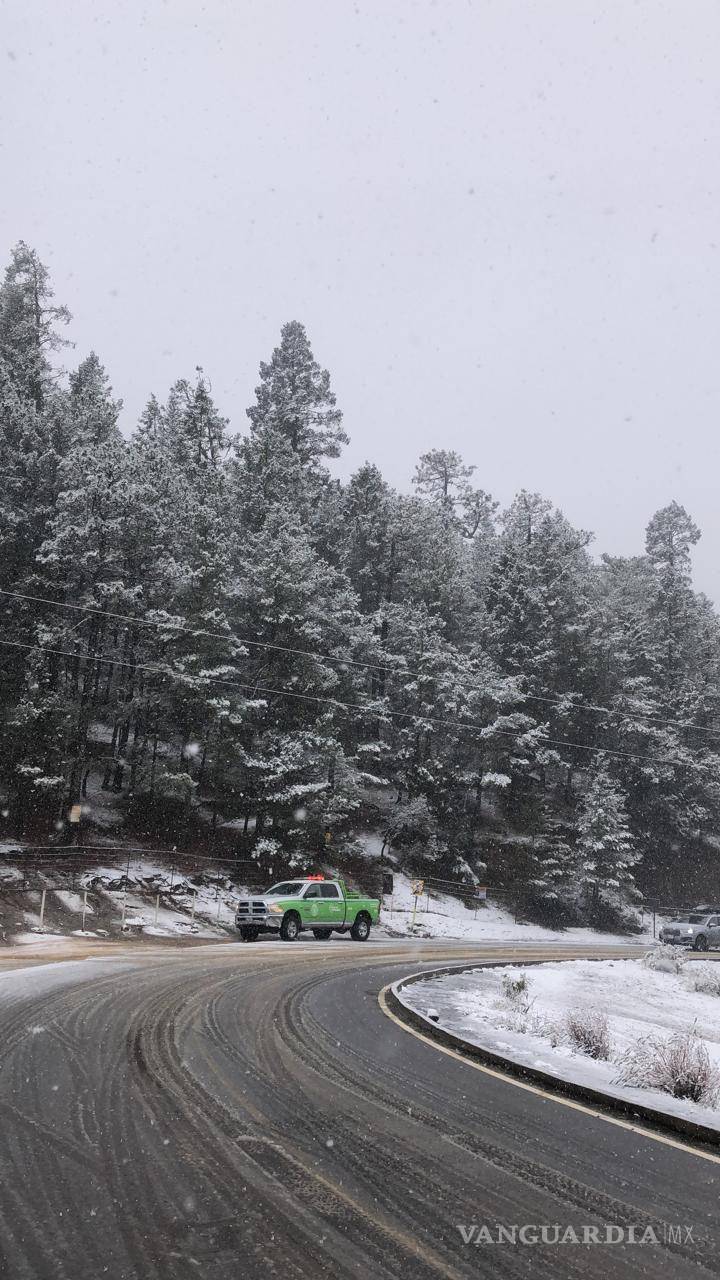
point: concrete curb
(635, 1111)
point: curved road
(233, 1111)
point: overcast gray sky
(498, 219)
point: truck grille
(250, 909)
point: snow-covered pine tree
(606, 852)
(443, 478)
(294, 400)
(295, 425)
(83, 562)
(29, 321)
(34, 436)
(665, 692)
(370, 532)
(286, 597)
(92, 411)
(33, 416)
(181, 557)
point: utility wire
(566, 700)
(113, 850)
(358, 706)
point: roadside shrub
(516, 991)
(680, 1066)
(705, 979)
(587, 1030)
(539, 1024)
(665, 959)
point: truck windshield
(694, 919)
(285, 890)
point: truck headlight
(274, 909)
(688, 930)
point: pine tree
(294, 400)
(295, 425)
(605, 849)
(670, 535)
(34, 434)
(93, 412)
(443, 479)
(181, 557)
(28, 325)
(370, 525)
(300, 607)
(663, 688)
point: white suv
(695, 929)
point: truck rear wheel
(322, 935)
(360, 931)
(290, 927)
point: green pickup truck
(323, 906)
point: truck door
(333, 903)
(313, 909)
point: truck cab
(312, 903)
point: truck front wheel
(290, 927)
(360, 931)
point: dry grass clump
(679, 1065)
(587, 1030)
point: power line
(119, 851)
(356, 706)
(82, 848)
(200, 631)
(615, 711)
(560, 700)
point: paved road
(249, 1111)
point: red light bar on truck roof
(314, 877)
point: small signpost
(418, 889)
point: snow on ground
(19, 984)
(32, 919)
(161, 922)
(213, 897)
(37, 939)
(636, 1000)
(73, 902)
(448, 917)
(10, 874)
(194, 904)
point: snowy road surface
(237, 1110)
